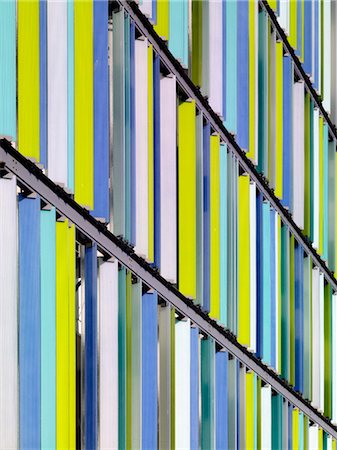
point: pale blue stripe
(231, 66)
(48, 331)
(223, 234)
(71, 95)
(301, 432)
(178, 42)
(8, 68)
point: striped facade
(242, 228)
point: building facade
(168, 229)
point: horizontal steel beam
(31, 178)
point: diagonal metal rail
(33, 180)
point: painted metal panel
(29, 323)
(9, 317)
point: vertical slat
(293, 25)
(118, 152)
(266, 434)
(29, 323)
(315, 337)
(287, 131)
(313, 437)
(285, 434)
(43, 82)
(242, 411)
(331, 222)
(84, 107)
(48, 330)
(164, 377)
(178, 23)
(334, 358)
(150, 123)
(308, 185)
(223, 234)
(149, 370)
(232, 403)
(122, 396)
(72, 335)
(278, 299)
(9, 377)
(199, 210)
(101, 110)
(215, 56)
(259, 279)
(326, 193)
(197, 26)
(292, 309)
(194, 384)
(279, 120)
(91, 357)
(273, 320)
(333, 62)
(141, 134)
(298, 154)
(252, 265)
(266, 284)
(327, 350)
(108, 355)
(168, 173)
(128, 364)
(326, 68)
(243, 76)
(206, 217)
(253, 80)
(136, 368)
(187, 199)
(156, 156)
(307, 336)
(277, 425)
(215, 226)
(205, 45)
(70, 93)
(316, 202)
(28, 83)
(65, 336)
(263, 93)
(57, 92)
(129, 130)
(321, 342)
(271, 159)
(231, 66)
(285, 331)
(207, 394)
(307, 62)
(244, 260)
(146, 8)
(182, 384)
(295, 429)
(163, 19)
(250, 412)
(299, 324)
(221, 400)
